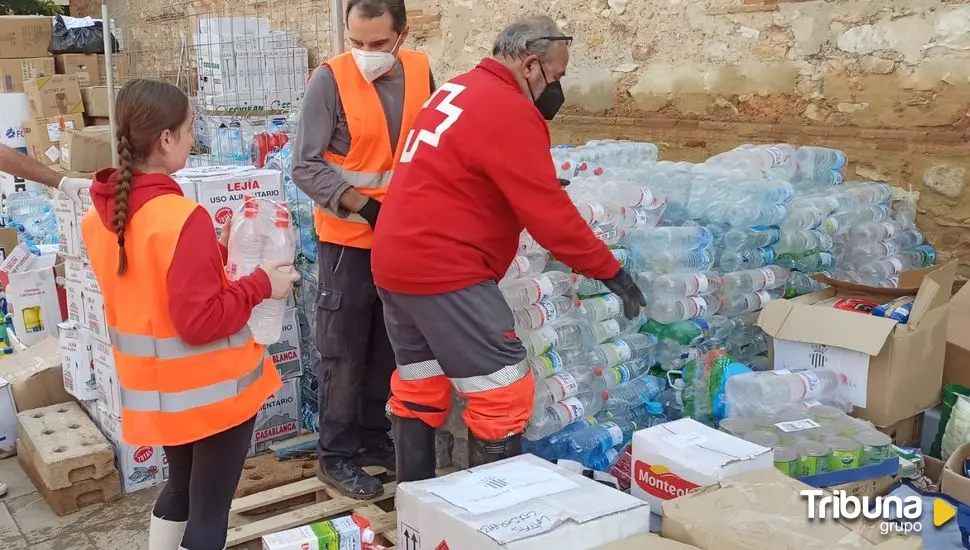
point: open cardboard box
(952, 480)
(956, 367)
(894, 371)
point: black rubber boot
(485, 452)
(414, 441)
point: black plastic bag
(87, 40)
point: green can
(823, 432)
(813, 458)
(844, 453)
(764, 438)
(736, 426)
(824, 414)
(764, 421)
(876, 446)
(786, 460)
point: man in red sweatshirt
(475, 171)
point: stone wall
(888, 81)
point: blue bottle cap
(654, 407)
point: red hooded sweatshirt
(202, 310)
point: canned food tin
(764, 420)
(824, 414)
(786, 460)
(762, 437)
(876, 446)
(812, 458)
(844, 453)
(736, 426)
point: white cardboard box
(677, 458)
(95, 318)
(140, 467)
(278, 419)
(523, 503)
(32, 296)
(68, 232)
(286, 353)
(76, 362)
(106, 374)
(221, 189)
(8, 420)
(74, 273)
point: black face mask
(551, 99)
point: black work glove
(369, 211)
(623, 286)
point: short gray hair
(524, 37)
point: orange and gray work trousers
(463, 340)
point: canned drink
(876, 446)
(844, 453)
(812, 458)
(824, 431)
(736, 426)
(786, 460)
(764, 421)
(762, 437)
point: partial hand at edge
(281, 277)
(623, 286)
(72, 187)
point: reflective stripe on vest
(369, 163)
(176, 402)
(505, 376)
(139, 345)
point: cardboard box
(278, 418)
(140, 467)
(894, 371)
(84, 66)
(683, 456)
(35, 375)
(221, 189)
(76, 362)
(68, 232)
(518, 503)
(956, 366)
(952, 480)
(646, 542)
(59, 94)
(120, 63)
(763, 511)
(906, 432)
(13, 72)
(16, 261)
(106, 374)
(87, 149)
(43, 136)
(95, 319)
(32, 297)
(73, 287)
(8, 420)
(286, 352)
(95, 100)
(25, 36)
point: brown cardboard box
(95, 100)
(956, 368)
(646, 542)
(13, 72)
(43, 136)
(96, 121)
(59, 94)
(906, 432)
(25, 36)
(762, 510)
(121, 62)
(85, 66)
(35, 375)
(86, 150)
(952, 480)
(895, 371)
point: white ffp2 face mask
(373, 65)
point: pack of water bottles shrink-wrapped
(709, 244)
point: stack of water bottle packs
(709, 244)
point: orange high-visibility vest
(172, 393)
(370, 161)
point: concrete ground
(28, 523)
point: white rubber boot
(164, 534)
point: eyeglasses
(567, 39)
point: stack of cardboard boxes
(243, 65)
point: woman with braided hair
(192, 378)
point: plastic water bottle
(601, 308)
(545, 422)
(246, 242)
(633, 347)
(636, 392)
(553, 362)
(776, 388)
(568, 384)
(543, 312)
(678, 285)
(695, 307)
(755, 237)
(753, 280)
(523, 292)
(590, 287)
(279, 243)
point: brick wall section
(424, 18)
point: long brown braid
(145, 108)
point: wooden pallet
(248, 522)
